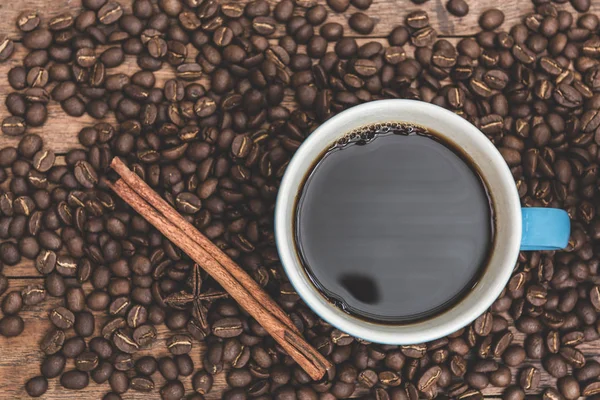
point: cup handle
(545, 228)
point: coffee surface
(394, 225)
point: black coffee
(393, 224)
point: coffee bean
(459, 8)
(227, 327)
(185, 364)
(62, 318)
(84, 324)
(124, 343)
(13, 126)
(172, 390)
(142, 384)
(179, 344)
(361, 23)
(103, 372)
(590, 371)
(53, 341)
(28, 20)
(338, 5)
(569, 387)
(33, 295)
(74, 380)
(36, 386)
(530, 378)
(11, 325)
(87, 361)
(144, 335)
(110, 13)
(37, 39)
(514, 393)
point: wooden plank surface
(21, 356)
(387, 14)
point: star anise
(200, 301)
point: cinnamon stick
(307, 357)
(146, 192)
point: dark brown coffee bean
(460, 8)
(84, 324)
(61, 22)
(423, 37)
(52, 341)
(75, 380)
(124, 343)
(13, 126)
(530, 379)
(590, 371)
(11, 325)
(37, 39)
(491, 19)
(572, 356)
(417, 19)
(179, 344)
(338, 5)
(37, 77)
(361, 23)
(172, 390)
(36, 387)
(28, 20)
(142, 384)
(227, 327)
(569, 387)
(110, 13)
(87, 361)
(514, 355)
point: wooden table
(20, 357)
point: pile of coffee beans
(215, 141)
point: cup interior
(485, 158)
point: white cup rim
(492, 168)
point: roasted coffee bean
(227, 327)
(53, 365)
(84, 324)
(142, 384)
(110, 13)
(13, 126)
(36, 386)
(172, 390)
(124, 343)
(361, 23)
(53, 341)
(86, 361)
(75, 380)
(460, 8)
(11, 325)
(529, 378)
(37, 39)
(338, 5)
(144, 335)
(168, 368)
(569, 387)
(185, 364)
(179, 344)
(28, 20)
(491, 19)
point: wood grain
(60, 130)
(387, 13)
(21, 357)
